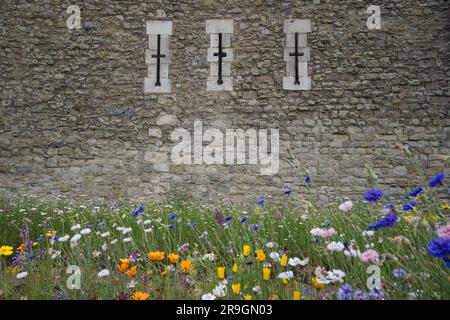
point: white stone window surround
(220, 31)
(155, 29)
(297, 28)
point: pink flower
(368, 256)
(444, 232)
(346, 206)
(327, 233)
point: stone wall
(75, 119)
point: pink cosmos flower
(444, 232)
(327, 233)
(369, 256)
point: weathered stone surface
(75, 117)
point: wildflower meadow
(285, 246)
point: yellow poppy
(260, 255)
(284, 260)
(248, 297)
(316, 284)
(266, 274)
(246, 250)
(235, 268)
(236, 287)
(297, 295)
(221, 273)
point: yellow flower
(186, 265)
(445, 206)
(260, 256)
(236, 287)
(173, 258)
(221, 273)
(246, 250)
(22, 247)
(139, 295)
(156, 255)
(284, 260)
(266, 274)
(296, 295)
(248, 297)
(132, 271)
(316, 284)
(285, 281)
(408, 217)
(274, 296)
(6, 250)
(235, 268)
(431, 217)
(123, 266)
(51, 233)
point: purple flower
(439, 247)
(399, 273)
(388, 208)
(184, 246)
(373, 195)
(308, 179)
(219, 217)
(24, 232)
(193, 225)
(134, 256)
(345, 292)
(31, 257)
(171, 226)
(244, 220)
(261, 201)
(138, 210)
(287, 191)
(415, 192)
(173, 216)
(436, 180)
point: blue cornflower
(244, 220)
(360, 295)
(138, 210)
(287, 191)
(308, 179)
(399, 273)
(346, 244)
(436, 180)
(173, 216)
(31, 257)
(171, 226)
(388, 208)
(229, 219)
(229, 278)
(345, 292)
(101, 224)
(415, 192)
(255, 227)
(439, 247)
(261, 201)
(56, 238)
(40, 239)
(446, 261)
(327, 224)
(376, 294)
(193, 225)
(388, 221)
(409, 206)
(373, 195)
